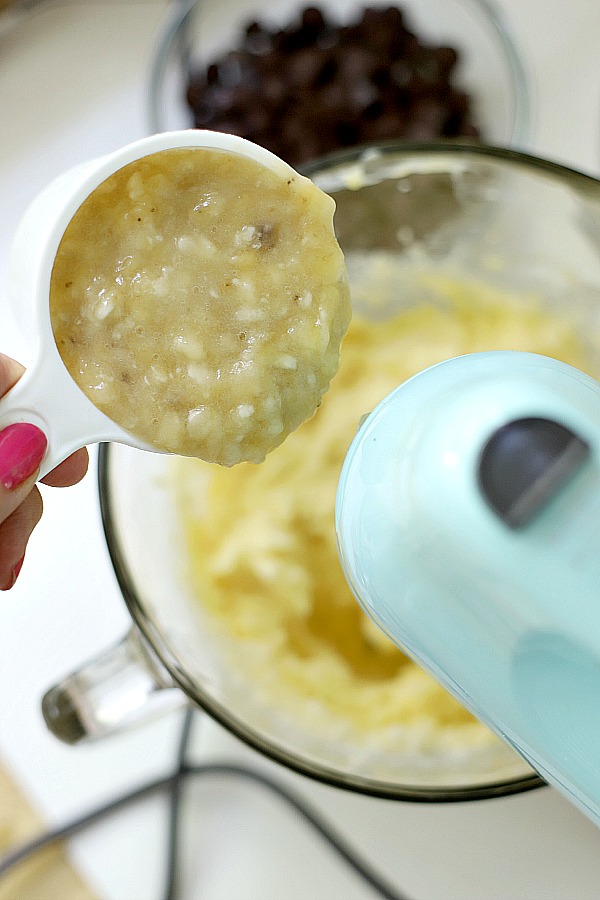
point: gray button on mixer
(524, 464)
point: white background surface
(72, 85)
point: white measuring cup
(46, 395)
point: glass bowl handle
(120, 689)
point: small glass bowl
(490, 68)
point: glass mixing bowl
(436, 214)
(490, 68)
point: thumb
(22, 448)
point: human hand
(22, 448)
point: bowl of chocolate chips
(305, 81)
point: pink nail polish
(13, 575)
(22, 448)
(17, 568)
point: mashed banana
(261, 549)
(199, 300)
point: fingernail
(22, 448)
(13, 575)
(17, 568)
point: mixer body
(468, 521)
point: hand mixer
(468, 520)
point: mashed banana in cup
(260, 548)
(199, 300)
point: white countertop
(72, 85)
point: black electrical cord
(170, 892)
(173, 782)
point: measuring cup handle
(47, 397)
(17, 406)
(120, 689)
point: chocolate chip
(316, 85)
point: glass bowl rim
(179, 18)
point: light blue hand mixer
(468, 521)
